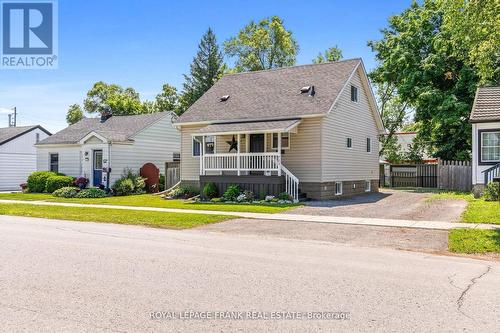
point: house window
(209, 144)
(338, 188)
(368, 145)
(54, 162)
(368, 186)
(490, 147)
(197, 145)
(354, 94)
(37, 137)
(285, 141)
(349, 143)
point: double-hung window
(209, 145)
(490, 146)
(354, 94)
(285, 140)
(54, 162)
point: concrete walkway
(282, 217)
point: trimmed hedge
(210, 191)
(66, 192)
(38, 179)
(91, 193)
(54, 183)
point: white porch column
(203, 155)
(239, 157)
(279, 151)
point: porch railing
(490, 173)
(242, 162)
(251, 162)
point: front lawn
(474, 241)
(477, 211)
(148, 200)
(120, 216)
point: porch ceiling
(250, 127)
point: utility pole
(13, 118)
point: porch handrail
(291, 184)
(491, 173)
(242, 162)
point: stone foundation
(326, 190)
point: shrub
(284, 196)
(492, 192)
(124, 186)
(81, 182)
(91, 193)
(161, 185)
(184, 192)
(56, 182)
(246, 196)
(66, 192)
(130, 177)
(232, 193)
(37, 180)
(210, 191)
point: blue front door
(97, 166)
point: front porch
(249, 154)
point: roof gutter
(248, 120)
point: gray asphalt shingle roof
(272, 93)
(486, 105)
(252, 126)
(115, 129)
(9, 133)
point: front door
(97, 168)
(256, 143)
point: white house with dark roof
(18, 154)
(100, 149)
(485, 119)
(311, 129)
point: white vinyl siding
(349, 120)
(155, 144)
(69, 159)
(190, 165)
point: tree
(207, 67)
(474, 28)
(393, 113)
(416, 56)
(74, 115)
(263, 45)
(113, 98)
(167, 100)
(332, 54)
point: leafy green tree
(263, 45)
(416, 56)
(167, 99)
(332, 54)
(474, 28)
(113, 98)
(74, 115)
(393, 151)
(207, 67)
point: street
(85, 277)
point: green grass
(474, 241)
(119, 216)
(477, 211)
(147, 200)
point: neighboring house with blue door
(103, 148)
(485, 119)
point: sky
(144, 44)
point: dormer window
(354, 94)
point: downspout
(109, 166)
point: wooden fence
(172, 174)
(455, 175)
(450, 175)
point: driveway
(86, 277)
(388, 204)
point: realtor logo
(29, 34)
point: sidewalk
(283, 217)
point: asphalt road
(85, 277)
